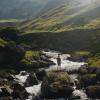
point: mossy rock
(56, 84)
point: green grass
(30, 56)
(8, 20)
(64, 18)
(94, 61)
(82, 53)
(2, 43)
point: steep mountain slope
(65, 15)
(71, 25)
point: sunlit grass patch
(8, 20)
(2, 43)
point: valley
(34, 34)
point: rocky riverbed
(72, 81)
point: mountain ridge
(63, 16)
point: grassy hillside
(76, 40)
(69, 26)
(65, 17)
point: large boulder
(5, 91)
(83, 70)
(43, 64)
(86, 80)
(31, 80)
(93, 92)
(92, 70)
(19, 92)
(45, 58)
(40, 74)
(56, 84)
(76, 58)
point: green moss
(94, 61)
(2, 43)
(30, 56)
(59, 77)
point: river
(65, 65)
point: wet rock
(77, 84)
(45, 58)
(56, 85)
(75, 98)
(35, 64)
(29, 64)
(92, 70)
(93, 91)
(6, 98)
(19, 92)
(3, 82)
(10, 78)
(5, 91)
(40, 74)
(83, 70)
(86, 80)
(23, 73)
(98, 74)
(43, 64)
(31, 80)
(87, 70)
(76, 58)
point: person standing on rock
(59, 61)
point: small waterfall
(65, 65)
(68, 66)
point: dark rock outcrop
(19, 92)
(83, 70)
(40, 74)
(31, 80)
(87, 80)
(76, 58)
(93, 92)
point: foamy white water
(68, 66)
(80, 93)
(21, 78)
(35, 89)
(65, 64)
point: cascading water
(68, 66)
(65, 65)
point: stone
(93, 92)
(31, 80)
(40, 74)
(56, 84)
(19, 92)
(86, 80)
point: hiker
(59, 60)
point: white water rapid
(65, 65)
